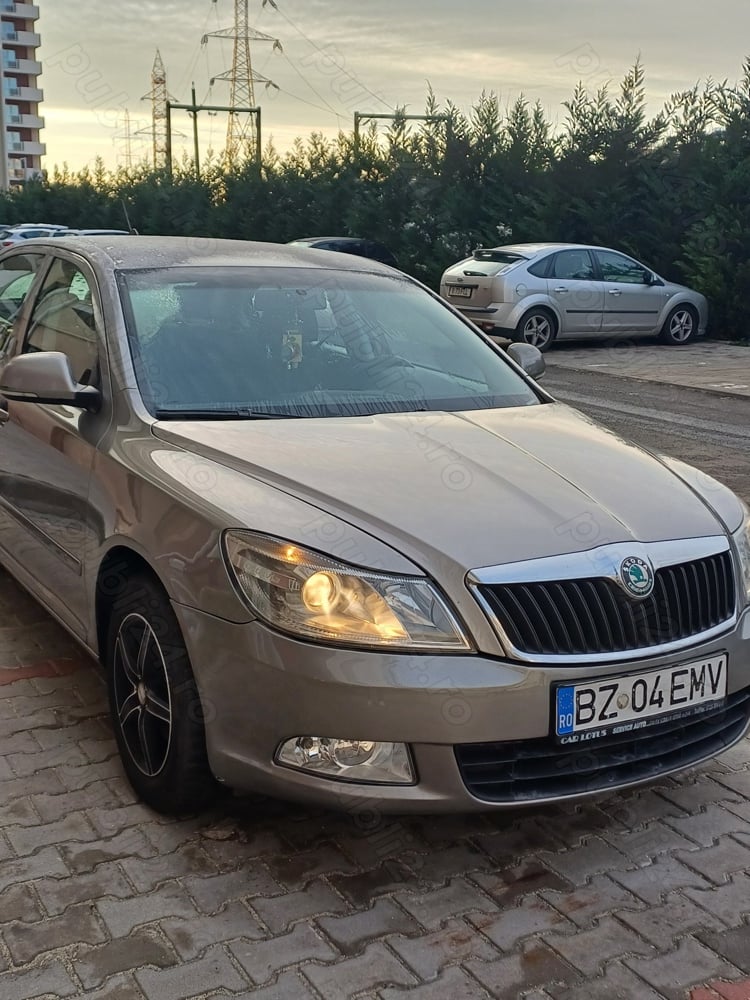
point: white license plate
(459, 291)
(616, 705)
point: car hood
(478, 488)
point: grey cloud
(394, 47)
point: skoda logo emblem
(637, 576)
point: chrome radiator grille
(595, 615)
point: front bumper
(260, 688)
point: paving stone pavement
(711, 365)
(638, 896)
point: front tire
(154, 702)
(537, 327)
(680, 327)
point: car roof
(533, 249)
(139, 252)
(314, 239)
(36, 225)
(93, 232)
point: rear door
(574, 290)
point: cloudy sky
(341, 56)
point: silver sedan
(330, 543)
(541, 292)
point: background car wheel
(537, 327)
(154, 702)
(680, 327)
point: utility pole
(192, 110)
(241, 129)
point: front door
(631, 303)
(46, 451)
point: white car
(542, 292)
(27, 231)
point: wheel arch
(674, 307)
(543, 305)
(120, 564)
(540, 309)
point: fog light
(348, 760)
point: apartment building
(20, 148)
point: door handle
(614, 291)
(559, 289)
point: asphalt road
(706, 429)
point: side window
(574, 265)
(618, 267)
(17, 275)
(63, 320)
(541, 268)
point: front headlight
(310, 595)
(742, 542)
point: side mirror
(649, 278)
(529, 358)
(45, 377)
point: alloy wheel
(681, 326)
(142, 697)
(537, 330)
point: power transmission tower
(126, 136)
(158, 95)
(241, 130)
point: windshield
(304, 342)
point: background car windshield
(304, 342)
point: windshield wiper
(228, 413)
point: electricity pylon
(158, 95)
(241, 130)
(126, 136)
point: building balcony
(16, 175)
(33, 94)
(27, 38)
(16, 121)
(31, 67)
(23, 11)
(26, 147)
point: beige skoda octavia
(330, 543)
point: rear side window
(540, 269)
(17, 275)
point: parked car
(348, 244)
(27, 231)
(91, 232)
(330, 543)
(542, 292)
